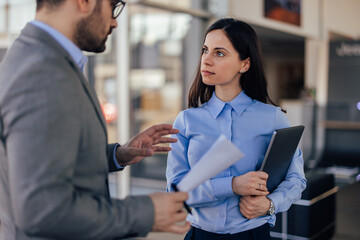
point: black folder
(279, 154)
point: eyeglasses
(117, 9)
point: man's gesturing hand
(143, 144)
(168, 212)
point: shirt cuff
(275, 197)
(118, 166)
(222, 187)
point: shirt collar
(239, 104)
(73, 50)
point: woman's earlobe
(244, 70)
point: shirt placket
(228, 120)
(228, 133)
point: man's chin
(98, 49)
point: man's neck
(56, 19)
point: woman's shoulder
(270, 112)
(194, 111)
(191, 117)
(265, 107)
(191, 114)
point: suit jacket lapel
(89, 91)
(37, 33)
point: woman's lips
(207, 73)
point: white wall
(342, 17)
(252, 11)
(319, 18)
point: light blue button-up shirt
(249, 124)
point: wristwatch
(271, 209)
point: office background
(311, 57)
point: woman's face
(220, 62)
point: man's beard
(86, 36)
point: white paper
(222, 154)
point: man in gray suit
(54, 156)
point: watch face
(271, 210)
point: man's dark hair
(50, 3)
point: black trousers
(259, 233)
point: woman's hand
(251, 183)
(254, 206)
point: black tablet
(280, 153)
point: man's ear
(86, 6)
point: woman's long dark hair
(245, 41)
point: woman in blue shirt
(229, 96)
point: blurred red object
(110, 112)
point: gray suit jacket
(54, 156)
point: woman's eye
(204, 50)
(220, 54)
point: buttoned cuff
(275, 197)
(222, 187)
